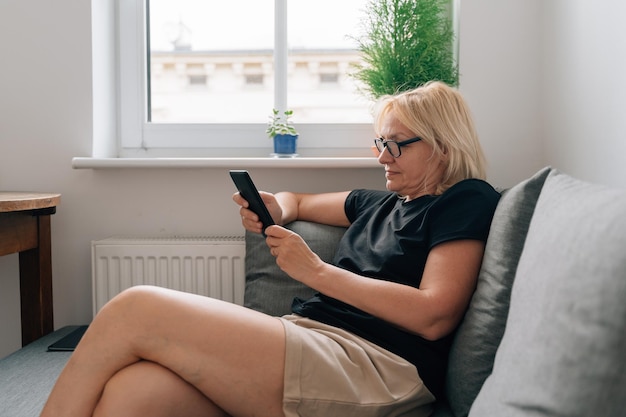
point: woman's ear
(445, 155)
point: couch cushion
(270, 290)
(563, 350)
(479, 335)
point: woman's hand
(250, 220)
(292, 253)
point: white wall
(500, 65)
(584, 89)
(45, 120)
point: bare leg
(233, 355)
(147, 389)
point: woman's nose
(384, 156)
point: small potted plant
(285, 135)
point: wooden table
(25, 229)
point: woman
(372, 342)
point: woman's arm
(286, 207)
(327, 208)
(432, 311)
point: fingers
(249, 215)
(277, 237)
(249, 219)
(279, 232)
(274, 238)
(237, 198)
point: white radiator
(211, 266)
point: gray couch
(545, 334)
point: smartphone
(247, 189)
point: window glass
(204, 56)
(322, 50)
(213, 62)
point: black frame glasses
(393, 146)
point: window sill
(231, 163)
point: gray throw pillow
(479, 335)
(270, 290)
(564, 349)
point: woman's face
(416, 172)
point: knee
(130, 302)
(139, 292)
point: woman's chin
(390, 186)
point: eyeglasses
(393, 146)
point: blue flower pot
(285, 145)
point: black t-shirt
(390, 238)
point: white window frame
(138, 138)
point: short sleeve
(361, 201)
(464, 211)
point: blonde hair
(439, 115)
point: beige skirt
(330, 372)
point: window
(254, 79)
(329, 78)
(200, 78)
